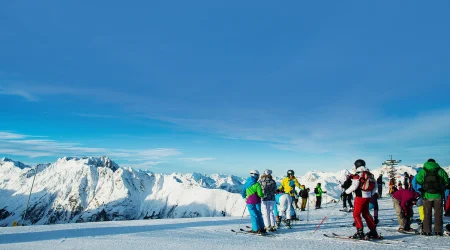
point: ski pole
(242, 217)
(29, 196)
(326, 216)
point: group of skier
(267, 203)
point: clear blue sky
(226, 86)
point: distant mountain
(97, 189)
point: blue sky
(226, 86)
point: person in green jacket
(433, 179)
(318, 191)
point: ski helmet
(290, 172)
(254, 173)
(360, 163)
(267, 172)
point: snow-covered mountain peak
(15, 163)
(103, 161)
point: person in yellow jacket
(288, 186)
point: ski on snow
(349, 238)
(242, 231)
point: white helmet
(267, 172)
(254, 173)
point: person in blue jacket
(417, 187)
(252, 193)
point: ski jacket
(347, 183)
(420, 177)
(304, 193)
(269, 187)
(416, 186)
(355, 185)
(252, 191)
(405, 196)
(319, 191)
(288, 185)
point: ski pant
(362, 208)
(285, 207)
(267, 212)
(404, 217)
(293, 214)
(256, 216)
(374, 204)
(421, 213)
(304, 201)
(347, 198)
(318, 201)
(380, 189)
(428, 205)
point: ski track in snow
(212, 233)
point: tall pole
(29, 196)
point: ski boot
(344, 209)
(278, 221)
(373, 234)
(262, 231)
(287, 223)
(359, 234)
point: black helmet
(290, 172)
(360, 163)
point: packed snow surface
(214, 233)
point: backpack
(316, 191)
(432, 182)
(367, 181)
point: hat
(254, 173)
(360, 163)
(267, 172)
(431, 160)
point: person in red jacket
(363, 196)
(403, 201)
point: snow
(211, 233)
(188, 208)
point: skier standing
(380, 184)
(252, 193)
(304, 194)
(318, 191)
(433, 179)
(406, 180)
(403, 201)
(363, 184)
(283, 207)
(288, 186)
(392, 187)
(347, 198)
(269, 187)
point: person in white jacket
(363, 184)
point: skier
(304, 194)
(406, 180)
(318, 191)
(380, 184)
(433, 179)
(252, 193)
(399, 185)
(288, 185)
(447, 202)
(347, 198)
(417, 187)
(269, 187)
(283, 207)
(403, 201)
(363, 184)
(374, 204)
(392, 187)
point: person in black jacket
(380, 184)
(347, 197)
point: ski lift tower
(390, 166)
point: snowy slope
(214, 233)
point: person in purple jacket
(403, 201)
(252, 193)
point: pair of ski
(371, 240)
(242, 231)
